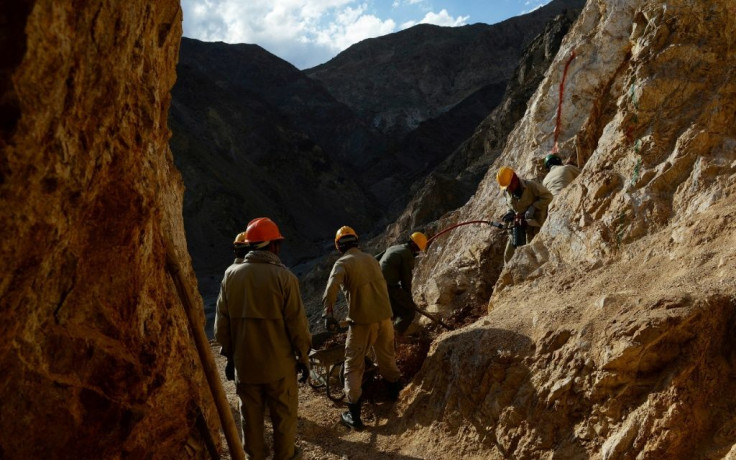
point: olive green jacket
(260, 320)
(362, 282)
(534, 194)
(397, 264)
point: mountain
(450, 185)
(609, 336)
(253, 136)
(399, 80)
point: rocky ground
(319, 433)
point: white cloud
(303, 32)
(443, 18)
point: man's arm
(407, 267)
(222, 323)
(544, 196)
(295, 320)
(337, 275)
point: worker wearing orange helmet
(262, 327)
(397, 266)
(369, 319)
(527, 201)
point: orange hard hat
(504, 176)
(261, 230)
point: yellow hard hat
(420, 239)
(504, 176)
(344, 232)
(240, 238)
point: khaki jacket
(534, 194)
(362, 282)
(559, 177)
(397, 264)
(260, 319)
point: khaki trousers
(281, 397)
(360, 338)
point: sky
(310, 32)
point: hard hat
(420, 239)
(260, 230)
(240, 238)
(344, 231)
(504, 176)
(551, 160)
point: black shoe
(351, 418)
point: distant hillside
(399, 80)
(253, 135)
(247, 145)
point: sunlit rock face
(96, 356)
(611, 334)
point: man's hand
(529, 214)
(230, 369)
(303, 370)
(331, 323)
(509, 216)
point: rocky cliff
(610, 335)
(95, 351)
(456, 178)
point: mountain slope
(609, 336)
(399, 80)
(245, 150)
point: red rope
(456, 226)
(555, 149)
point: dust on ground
(320, 436)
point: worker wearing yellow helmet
(369, 319)
(527, 201)
(397, 266)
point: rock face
(611, 335)
(454, 181)
(95, 351)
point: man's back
(559, 177)
(397, 264)
(363, 284)
(261, 319)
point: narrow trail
(320, 436)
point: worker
(397, 264)
(369, 320)
(262, 327)
(527, 201)
(559, 175)
(240, 248)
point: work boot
(351, 417)
(393, 389)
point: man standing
(559, 175)
(261, 325)
(369, 320)
(527, 202)
(397, 265)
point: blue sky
(309, 32)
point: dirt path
(320, 436)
